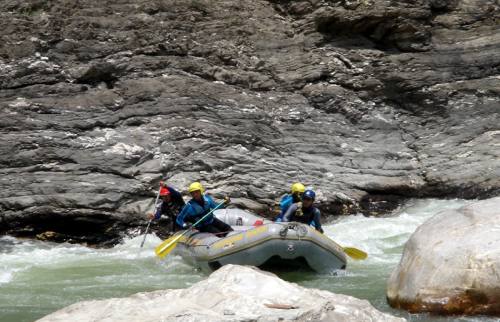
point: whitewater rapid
(37, 278)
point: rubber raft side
(255, 246)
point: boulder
(233, 293)
(451, 264)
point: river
(37, 278)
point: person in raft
(199, 206)
(289, 199)
(171, 204)
(305, 212)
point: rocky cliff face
(368, 101)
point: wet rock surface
(451, 264)
(369, 102)
(232, 293)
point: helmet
(309, 194)
(196, 186)
(164, 192)
(298, 187)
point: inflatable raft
(259, 242)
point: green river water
(37, 278)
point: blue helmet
(309, 194)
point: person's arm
(176, 196)
(182, 215)
(159, 211)
(212, 203)
(288, 214)
(317, 220)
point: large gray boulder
(451, 264)
(233, 293)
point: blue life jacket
(285, 203)
(194, 211)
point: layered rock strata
(369, 102)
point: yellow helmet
(195, 186)
(298, 187)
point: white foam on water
(382, 237)
(130, 248)
(54, 275)
(23, 255)
(6, 275)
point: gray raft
(263, 243)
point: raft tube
(260, 242)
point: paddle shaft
(150, 220)
(185, 232)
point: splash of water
(38, 277)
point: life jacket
(171, 209)
(302, 215)
(285, 203)
(197, 211)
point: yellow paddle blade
(355, 253)
(167, 246)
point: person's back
(289, 199)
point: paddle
(169, 244)
(355, 253)
(150, 220)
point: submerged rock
(451, 264)
(232, 293)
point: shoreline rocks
(232, 293)
(451, 264)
